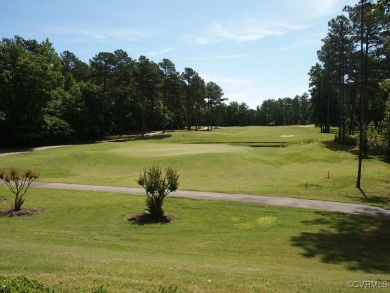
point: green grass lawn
(256, 160)
(83, 241)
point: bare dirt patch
(21, 213)
(3, 200)
(146, 218)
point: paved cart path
(348, 208)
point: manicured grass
(83, 241)
(258, 160)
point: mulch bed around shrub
(146, 218)
(21, 213)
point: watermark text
(368, 284)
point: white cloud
(218, 57)
(315, 8)
(128, 34)
(100, 38)
(233, 56)
(309, 41)
(309, 9)
(219, 79)
(86, 34)
(161, 52)
(244, 30)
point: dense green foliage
(31, 93)
(386, 124)
(47, 98)
(285, 111)
(21, 284)
(157, 187)
(348, 86)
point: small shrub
(375, 140)
(157, 187)
(347, 140)
(18, 184)
(56, 129)
(22, 284)
(386, 129)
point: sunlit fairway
(83, 241)
(286, 161)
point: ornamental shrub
(157, 187)
(18, 184)
(22, 284)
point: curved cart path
(348, 208)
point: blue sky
(253, 49)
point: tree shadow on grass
(20, 213)
(376, 193)
(38, 147)
(376, 196)
(334, 146)
(253, 144)
(377, 200)
(15, 150)
(139, 137)
(359, 242)
(145, 218)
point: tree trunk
(362, 103)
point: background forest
(49, 98)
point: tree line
(50, 98)
(47, 98)
(350, 85)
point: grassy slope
(225, 160)
(83, 241)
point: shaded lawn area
(356, 242)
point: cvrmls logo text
(369, 284)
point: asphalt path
(348, 208)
